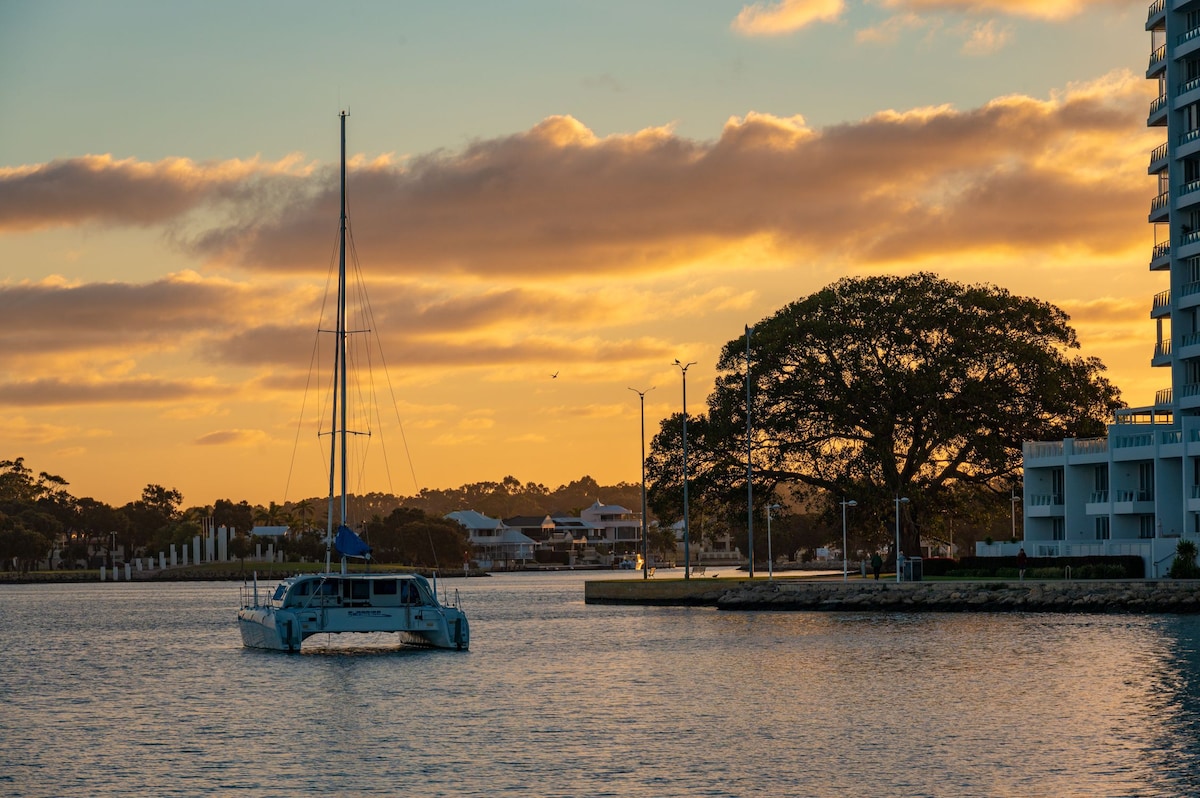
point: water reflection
(560, 698)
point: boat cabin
(353, 590)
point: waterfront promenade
(1094, 596)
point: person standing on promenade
(1021, 560)
(876, 564)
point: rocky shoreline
(1158, 596)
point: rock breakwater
(1165, 596)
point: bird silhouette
(554, 376)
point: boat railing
(253, 596)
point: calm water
(145, 689)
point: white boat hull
(278, 624)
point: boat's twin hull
(286, 629)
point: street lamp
(770, 557)
(899, 501)
(645, 543)
(1014, 500)
(750, 466)
(845, 504)
(687, 552)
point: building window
(1100, 483)
(1146, 527)
(1058, 527)
(1056, 486)
(1102, 528)
(1146, 482)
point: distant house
(536, 527)
(614, 525)
(494, 545)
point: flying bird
(554, 376)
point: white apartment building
(1137, 491)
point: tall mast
(337, 438)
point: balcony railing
(1161, 250)
(1131, 441)
(1039, 449)
(1046, 500)
(1189, 136)
(1160, 55)
(1133, 495)
(1162, 348)
(1190, 389)
(1167, 437)
(1090, 446)
(1098, 497)
(1187, 289)
(1160, 202)
(1190, 339)
(1164, 397)
(1196, 491)
(1159, 153)
(1184, 88)
(1188, 188)
(1183, 37)
(1157, 104)
(1162, 299)
(1156, 8)
(1190, 238)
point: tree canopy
(889, 386)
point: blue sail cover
(349, 544)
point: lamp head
(852, 503)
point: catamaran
(331, 602)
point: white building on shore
(1137, 491)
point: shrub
(1184, 565)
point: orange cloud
(1053, 10)
(785, 16)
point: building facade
(1137, 491)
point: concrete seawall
(1166, 596)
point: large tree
(882, 387)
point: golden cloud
(785, 16)
(1053, 10)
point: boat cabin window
(279, 591)
(409, 594)
(328, 588)
(387, 587)
(356, 590)
(302, 589)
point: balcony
(1133, 441)
(1090, 446)
(1041, 449)
(1189, 194)
(1160, 256)
(1189, 396)
(1162, 305)
(1160, 207)
(1158, 112)
(1162, 353)
(1157, 16)
(1158, 159)
(1188, 341)
(1158, 61)
(1165, 397)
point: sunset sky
(592, 189)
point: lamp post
(845, 504)
(770, 557)
(1015, 498)
(645, 541)
(749, 470)
(899, 501)
(687, 552)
